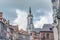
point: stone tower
(30, 25)
(56, 18)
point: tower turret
(30, 25)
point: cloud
(47, 19)
(21, 19)
(39, 24)
(8, 5)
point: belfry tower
(30, 25)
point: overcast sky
(17, 10)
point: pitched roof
(46, 27)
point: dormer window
(50, 28)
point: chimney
(1, 15)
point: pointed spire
(29, 9)
(30, 14)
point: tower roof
(30, 14)
(29, 9)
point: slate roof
(46, 27)
(37, 30)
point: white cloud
(39, 24)
(21, 19)
(47, 19)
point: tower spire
(30, 10)
(30, 25)
(30, 13)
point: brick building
(46, 33)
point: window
(53, 0)
(47, 35)
(43, 38)
(31, 21)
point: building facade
(7, 31)
(3, 27)
(14, 32)
(46, 33)
(56, 17)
